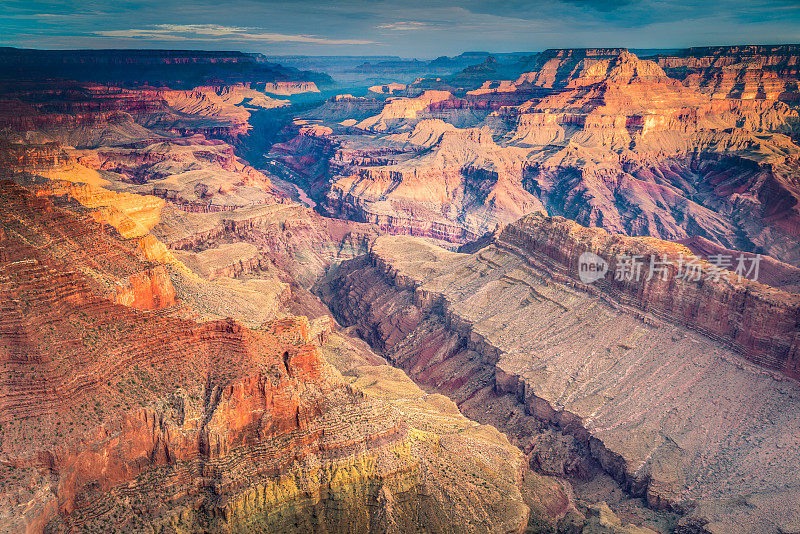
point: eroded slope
(602, 372)
(119, 419)
(602, 137)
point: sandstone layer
(118, 419)
(160, 375)
(156, 375)
(749, 72)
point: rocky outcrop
(103, 115)
(117, 418)
(756, 320)
(389, 88)
(649, 381)
(746, 72)
(26, 157)
(600, 136)
(148, 290)
(456, 192)
(194, 173)
(771, 272)
(119, 273)
(297, 240)
(398, 110)
(556, 67)
(290, 88)
(346, 106)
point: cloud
(600, 5)
(423, 28)
(215, 32)
(404, 26)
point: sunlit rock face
(158, 367)
(120, 413)
(290, 88)
(599, 136)
(746, 72)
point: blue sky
(410, 28)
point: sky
(408, 28)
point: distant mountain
(380, 69)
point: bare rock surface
(675, 416)
(599, 136)
(119, 419)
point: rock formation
(168, 356)
(132, 398)
(290, 88)
(599, 136)
(650, 380)
(555, 68)
(119, 419)
(747, 72)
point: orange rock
(148, 290)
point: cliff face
(158, 371)
(147, 382)
(599, 136)
(87, 115)
(148, 290)
(756, 320)
(771, 272)
(114, 418)
(555, 67)
(165, 170)
(31, 157)
(294, 238)
(129, 153)
(290, 88)
(647, 380)
(747, 72)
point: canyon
(238, 299)
(144, 419)
(599, 136)
(667, 403)
(165, 366)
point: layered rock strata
(649, 380)
(598, 136)
(748, 72)
(118, 419)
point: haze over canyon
(553, 291)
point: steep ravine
(492, 330)
(676, 418)
(446, 356)
(159, 375)
(125, 416)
